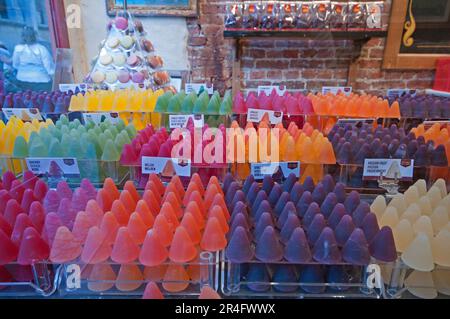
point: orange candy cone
(168, 212)
(152, 203)
(129, 186)
(110, 187)
(191, 227)
(109, 226)
(176, 279)
(179, 185)
(214, 181)
(65, 247)
(213, 238)
(153, 252)
(104, 200)
(158, 185)
(171, 188)
(151, 187)
(120, 212)
(94, 212)
(96, 249)
(101, 278)
(210, 193)
(207, 293)
(196, 179)
(176, 205)
(81, 227)
(197, 198)
(220, 201)
(164, 230)
(193, 187)
(155, 273)
(125, 250)
(217, 212)
(128, 201)
(145, 213)
(193, 209)
(182, 249)
(152, 292)
(137, 228)
(129, 278)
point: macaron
(155, 61)
(123, 77)
(133, 60)
(147, 45)
(98, 77)
(121, 23)
(111, 77)
(138, 78)
(120, 59)
(113, 42)
(139, 26)
(106, 59)
(127, 42)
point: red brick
(272, 64)
(308, 53)
(376, 53)
(274, 74)
(291, 74)
(255, 53)
(292, 54)
(309, 74)
(257, 75)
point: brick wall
(297, 64)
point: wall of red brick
(297, 64)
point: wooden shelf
(314, 34)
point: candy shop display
(45, 102)
(128, 59)
(303, 15)
(424, 106)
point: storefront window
(26, 59)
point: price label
(166, 167)
(255, 116)
(54, 166)
(97, 118)
(402, 170)
(197, 87)
(268, 89)
(259, 170)
(80, 87)
(26, 115)
(347, 90)
(393, 94)
(181, 121)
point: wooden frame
(191, 10)
(393, 59)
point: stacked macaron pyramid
(127, 58)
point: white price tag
(81, 87)
(268, 89)
(181, 121)
(256, 115)
(402, 170)
(197, 87)
(26, 115)
(347, 90)
(259, 170)
(97, 118)
(396, 93)
(54, 166)
(167, 167)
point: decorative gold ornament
(410, 28)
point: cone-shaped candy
(65, 247)
(441, 253)
(291, 223)
(96, 249)
(319, 194)
(356, 249)
(176, 279)
(125, 249)
(189, 223)
(88, 188)
(151, 201)
(442, 281)
(5, 226)
(258, 277)
(194, 209)
(64, 190)
(27, 199)
(326, 249)
(219, 201)
(128, 201)
(168, 212)
(289, 209)
(382, 246)
(285, 274)
(129, 186)
(296, 192)
(352, 201)
(412, 213)
(370, 226)
(22, 223)
(328, 204)
(164, 230)
(137, 228)
(110, 187)
(51, 225)
(32, 248)
(153, 253)
(439, 218)
(283, 200)
(399, 203)
(101, 278)
(423, 225)
(264, 221)
(336, 215)
(312, 274)
(378, 206)
(239, 249)
(12, 210)
(390, 217)
(152, 292)
(81, 227)
(421, 285)
(213, 237)
(304, 203)
(275, 194)
(360, 213)
(425, 206)
(40, 190)
(104, 200)
(308, 185)
(268, 248)
(297, 248)
(207, 293)
(110, 226)
(310, 214)
(315, 228)
(268, 184)
(344, 229)
(182, 249)
(129, 278)
(120, 212)
(403, 235)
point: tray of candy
(109, 279)
(212, 120)
(37, 280)
(289, 280)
